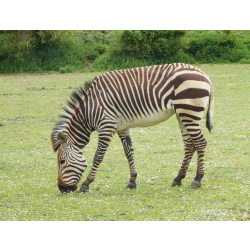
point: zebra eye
(62, 161)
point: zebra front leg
(129, 152)
(189, 151)
(105, 137)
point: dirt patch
(88, 65)
(39, 89)
(150, 207)
(11, 94)
(14, 119)
(26, 74)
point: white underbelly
(144, 121)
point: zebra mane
(76, 97)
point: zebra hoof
(84, 188)
(195, 184)
(131, 185)
(176, 183)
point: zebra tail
(210, 111)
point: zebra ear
(61, 137)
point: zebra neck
(78, 130)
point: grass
(30, 105)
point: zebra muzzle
(66, 189)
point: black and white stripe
(119, 100)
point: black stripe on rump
(192, 93)
(190, 116)
(184, 77)
(188, 107)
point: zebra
(119, 100)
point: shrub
(147, 44)
(64, 51)
(51, 51)
(138, 48)
(67, 69)
(215, 47)
(110, 62)
(5, 48)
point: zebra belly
(144, 121)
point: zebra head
(71, 164)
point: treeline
(70, 51)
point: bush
(93, 51)
(46, 56)
(67, 69)
(43, 59)
(50, 50)
(5, 48)
(215, 47)
(109, 63)
(138, 48)
(244, 61)
(67, 51)
(147, 44)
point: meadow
(30, 106)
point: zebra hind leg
(192, 126)
(200, 145)
(189, 151)
(129, 152)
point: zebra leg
(189, 151)
(129, 152)
(192, 126)
(105, 136)
(200, 145)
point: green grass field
(30, 106)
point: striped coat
(119, 100)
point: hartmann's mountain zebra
(119, 100)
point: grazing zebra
(119, 100)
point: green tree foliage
(101, 50)
(28, 51)
(147, 44)
(216, 47)
(133, 48)
(47, 50)
(53, 50)
(95, 42)
(13, 42)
